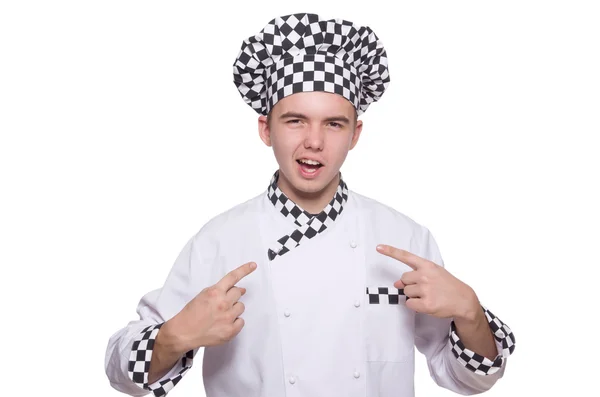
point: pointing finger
(234, 276)
(403, 256)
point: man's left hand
(431, 288)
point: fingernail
(252, 265)
(380, 248)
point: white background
(122, 133)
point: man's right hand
(212, 317)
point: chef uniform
(322, 316)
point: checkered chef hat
(301, 52)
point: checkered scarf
(308, 225)
(301, 52)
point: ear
(263, 130)
(357, 131)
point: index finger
(412, 260)
(234, 276)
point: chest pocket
(389, 328)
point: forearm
(474, 331)
(166, 353)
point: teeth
(311, 162)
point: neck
(313, 202)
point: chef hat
(301, 52)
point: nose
(315, 137)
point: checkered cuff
(141, 356)
(505, 343)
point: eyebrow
(304, 117)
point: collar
(308, 225)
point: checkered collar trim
(308, 225)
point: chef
(310, 289)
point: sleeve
(450, 364)
(505, 345)
(129, 350)
(141, 356)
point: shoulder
(231, 221)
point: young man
(310, 289)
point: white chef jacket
(322, 320)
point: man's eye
(334, 124)
(294, 121)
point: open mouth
(309, 166)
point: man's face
(311, 126)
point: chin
(312, 185)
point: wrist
(168, 343)
(470, 311)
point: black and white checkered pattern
(476, 362)
(316, 72)
(308, 225)
(386, 295)
(141, 356)
(301, 52)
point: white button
(353, 244)
(357, 374)
(357, 304)
(292, 380)
(286, 313)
